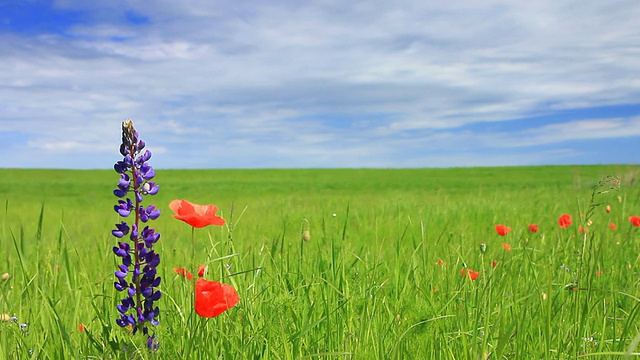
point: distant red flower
(214, 298)
(469, 273)
(183, 272)
(494, 263)
(506, 247)
(613, 226)
(81, 327)
(195, 215)
(581, 229)
(533, 228)
(502, 230)
(608, 208)
(201, 270)
(439, 262)
(564, 221)
(634, 220)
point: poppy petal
(195, 215)
(213, 298)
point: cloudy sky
(332, 83)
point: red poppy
(81, 327)
(506, 247)
(183, 272)
(581, 229)
(469, 273)
(195, 215)
(439, 262)
(214, 298)
(201, 270)
(613, 226)
(634, 220)
(494, 263)
(502, 230)
(533, 228)
(564, 221)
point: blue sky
(290, 84)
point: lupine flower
(564, 221)
(502, 230)
(533, 228)
(195, 215)
(634, 220)
(214, 298)
(136, 276)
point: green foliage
(380, 276)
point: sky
(320, 84)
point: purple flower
(137, 273)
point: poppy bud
(306, 235)
(483, 248)
(5, 276)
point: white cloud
(320, 83)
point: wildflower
(564, 221)
(439, 262)
(214, 298)
(195, 215)
(483, 248)
(306, 235)
(613, 226)
(81, 327)
(202, 269)
(533, 228)
(507, 247)
(494, 263)
(136, 276)
(183, 272)
(581, 229)
(502, 230)
(634, 220)
(469, 273)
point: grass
(379, 278)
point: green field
(380, 277)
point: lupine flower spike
(136, 276)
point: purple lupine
(136, 276)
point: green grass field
(380, 277)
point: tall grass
(380, 276)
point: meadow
(386, 273)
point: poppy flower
(634, 220)
(494, 263)
(613, 226)
(183, 272)
(564, 221)
(502, 230)
(214, 298)
(81, 327)
(201, 270)
(506, 247)
(533, 228)
(469, 273)
(195, 215)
